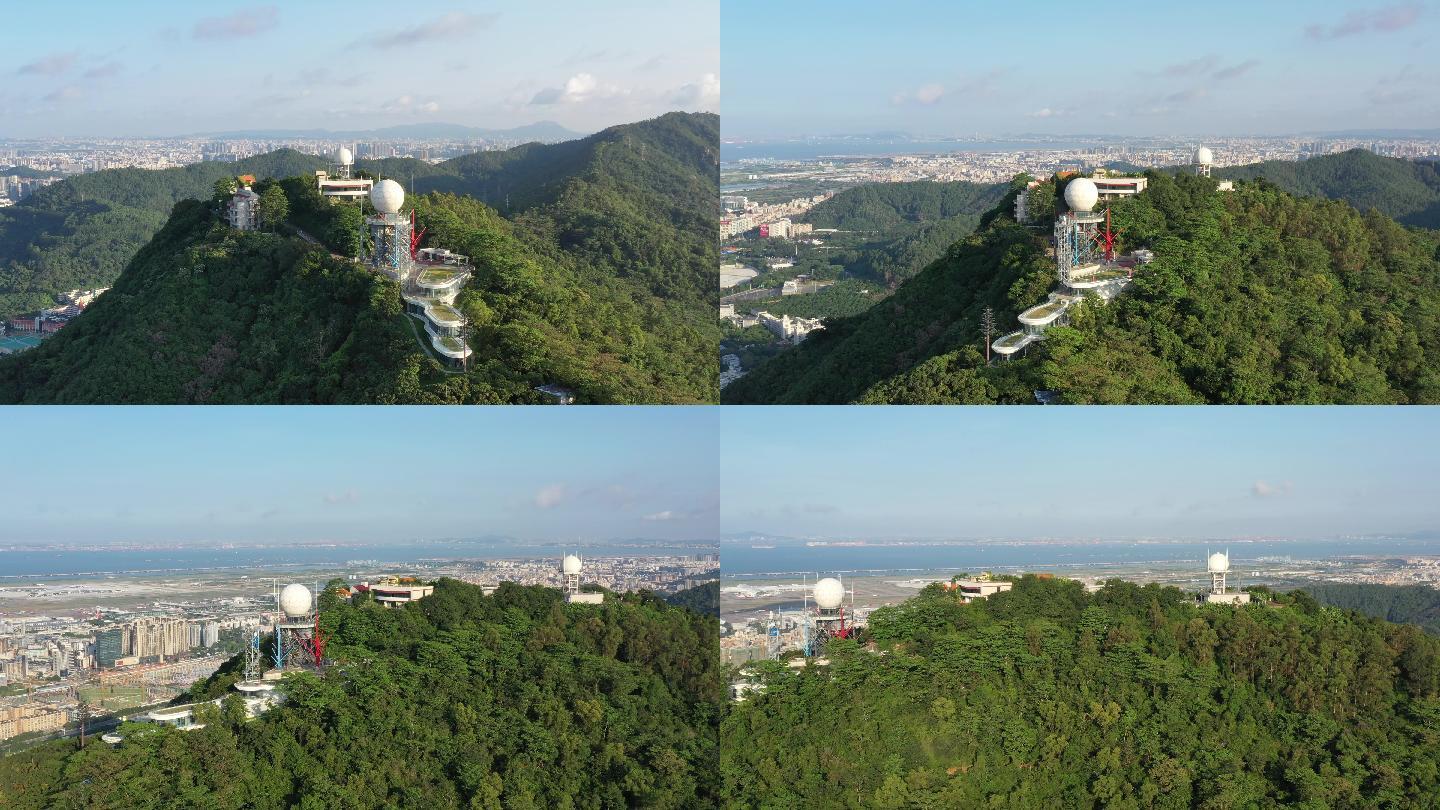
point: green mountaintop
(1255, 296)
(513, 700)
(604, 288)
(81, 232)
(1130, 697)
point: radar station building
(342, 184)
(398, 593)
(968, 590)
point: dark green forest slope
(514, 700)
(82, 231)
(1406, 604)
(1130, 697)
(904, 226)
(1255, 296)
(1407, 191)
(604, 307)
(701, 599)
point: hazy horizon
(1139, 68)
(177, 68)
(1166, 472)
(245, 474)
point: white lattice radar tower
(1084, 260)
(570, 571)
(297, 633)
(828, 619)
(1218, 564)
(430, 278)
(1203, 160)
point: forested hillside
(82, 231)
(514, 700)
(703, 599)
(575, 293)
(1130, 697)
(1406, 604)
(1255, 296)
(902, 227)
(1407, 191)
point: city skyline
(1173, 472)
(1227, 68)
(248, 474)
(177, 70)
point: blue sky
(166, 67)
(366, 474)
(1079, 472)
(1055, 66)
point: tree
(225, 187)
(274, 206)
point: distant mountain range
(546, 131)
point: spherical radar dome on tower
(829, 593)
(295, 600)
(1219, 562)
(1203, 156)
(344, 157)
(387, 196)
(571, 564)
(1081, 194)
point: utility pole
(82, 709)
(987, 328)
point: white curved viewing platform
(1013, 342)
(1047, 313)
(450, 346)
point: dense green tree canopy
(514, 700)
(1130, 697)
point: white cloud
(704, 93)
(550, 496)
(452, 25)
(348, 496)
(930, 93)
(579, 88)
(68, 93)
(666, 515)
(246, 22)
(49, 65)
(1046, 112)
(1265, 489)
(1385, 19)
(410, 104)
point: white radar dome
(1203, 156)
(1081, 194)
(829, 593)
(571, 564)
(295, 600)
(387, 196)
(1219, 563)
(344, 157)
